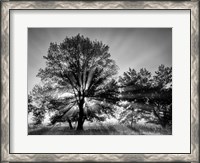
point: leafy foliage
(147, 97)
(84, 69)
(37, 101)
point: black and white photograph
(99, 81)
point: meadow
(101, 128)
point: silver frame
(193, 6)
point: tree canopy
(83, 69)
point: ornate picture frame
(7, 6)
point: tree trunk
(132, 117)
(81, 115)
(70, 125)
(160, 119)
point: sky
(130, 47)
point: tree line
(80, 83)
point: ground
(101, 128)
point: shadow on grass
(39, 131)
(151, 129)
(135, 129)
(96, 131)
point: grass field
(105, 128)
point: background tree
(161, 97)
(36, 104)
(134, 86)
(147, 97)
(84, 69)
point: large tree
(83, 69)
